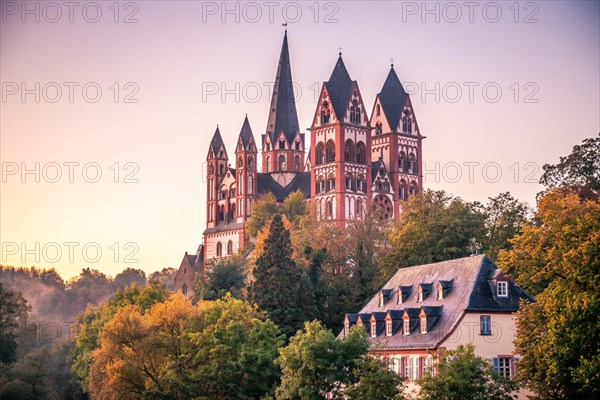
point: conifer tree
(280, 288)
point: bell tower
(340, 149)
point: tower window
(268, 146)
(219, 249)
(320, 154)
(329, 209)
(281, 162)
(268, 164)
(229, 248)
(325, 113)
(378, 127)
(349, 151)
(378, 110)
(250, 162)
(184, 289)
(297, 163)
(330, 151)
(281, 145)
(240, 162)
(221, 169)
(406, 124)
(360, 153)
(297, 145)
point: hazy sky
(134, 91)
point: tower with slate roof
(396, 145)
(340, 149)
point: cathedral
(352, 160)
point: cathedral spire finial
(285, 25)
(392, 60)
(340, 49)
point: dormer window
(423, 325)
(388, 328)
(406, 326)
(502, 288)
(373, 329)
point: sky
(107, 108)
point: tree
(461, 375)
(261, 213)
(504, 216)
(315, 364)
(227, 275)
(13, 312)
(129, 277)
(557, 258)
(220, 349)
(580, 170)
(433, 226)
(279, 286)
(294, 206)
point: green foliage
(461, 375)
(433, 226)
(228, 275)
(260, 214)
(279, 286)
(294, 206)
(93, 320)
(222, 349)
(504, 216)
(580, 170)
(558, 260)
(129, 277)
(315, 363)
(13, 312)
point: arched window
(359, 208)
(378, 127)
(211, 169)
(349, 151)
(250, 162)
(222, 213)
(250, 147)
(221, 169)
(360, 152)
(329, 209)
(413, 188)
(320, 185)
(403, 190)
(320, 154)
(219, 249)
(319, 209)
(268, 146)
(325, 113)
(281, 162)
(355, 112)
(231, 210)
(297, 163)
(402, 162)
(406, 124)
(268, 166)
(378, 110)
(184, 288)
(330, 151)
(240, 162)
(412, 164)
(250, 184)
(297, 145)
(229, 248)
(231, 192)
(281, 144)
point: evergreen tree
(280, 288)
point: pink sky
(542, 56)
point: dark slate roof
(339, 87)
(406, 291)
(215, 144)
(284, 118)
(375, 165)
(395, 314)
(392, 98)
(351, 318)
(378, 316)
(472, 290)
(266, 184)
(246, 133)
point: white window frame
(423, 325)
(373, 329)
(504, 366)
(420, 296)
(346, 328)
(504, 291)
(406, 326)
(388, 328)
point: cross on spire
(392, 60)
(340, 49)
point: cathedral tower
(283, 144)
(340, 149)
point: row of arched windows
(281, 163)
(408, 164)
(405, 189)
(352, 153)
(355, 112)
(220, 248)
(249, 162)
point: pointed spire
(215, 144)
(339, 86)
(246, 133)
(282, 114)
(392, 98)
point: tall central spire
(282, 114)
